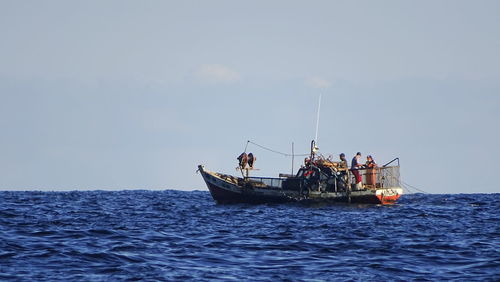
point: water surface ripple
(178, 235)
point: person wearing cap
(355, 166)
(342, 172)
(343, 161)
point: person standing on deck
(242, 159)
(370, 162)
(371, 172)
(342, 172)
(343, 161)
(355, 166)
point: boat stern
(389, 195)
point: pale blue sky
(136, 94)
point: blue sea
(178, 236)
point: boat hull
(227, 189)
(223, 195)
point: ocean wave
(177, 235)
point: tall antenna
(317, 120)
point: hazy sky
(136, 94)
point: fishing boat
(320, 179)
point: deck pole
(348, 190)
(292, 158)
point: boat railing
(395, 159)
(379, 177)
(267, 181)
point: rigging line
(246, 146)
(406, 184)
(277, 152)
(412, 190)
(409, 190)
(422, 191)
(410, 187)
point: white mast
(317, 119)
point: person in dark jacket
(243, 159)
(342, 172)
(343, 161)
(251, 160)
(370, 162)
